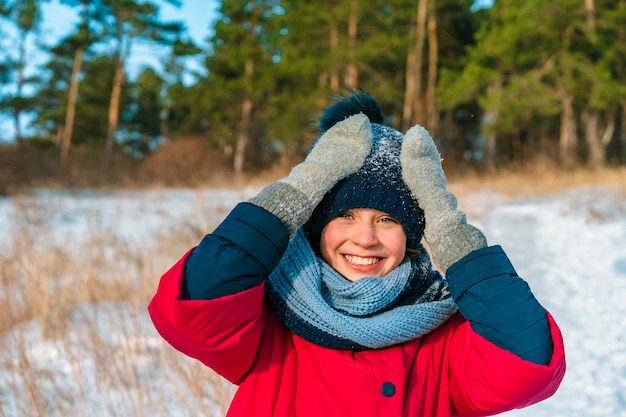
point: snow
(106, 359)
(571, 249)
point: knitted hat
(377, 184)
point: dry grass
(537, 180)
(75, 338)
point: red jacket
(451, 371)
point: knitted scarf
(321, 306)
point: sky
(198, 16)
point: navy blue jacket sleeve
(237, 256)
(500, 305)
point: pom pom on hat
(377, 184)
(349, 106)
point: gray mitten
(446, 231)
(339, 152)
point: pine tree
(25, 18)
(239, 83)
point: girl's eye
(388, 220)
(344, 215)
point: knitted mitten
(339, 152)
(446, 230)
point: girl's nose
(364, 234)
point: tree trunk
(545, 147)
(590, 119)
(409, 85)
(621, 35)
(413, 111)
(419, 112)
(351, 77)
(334, 51)
(17, 110)
(164, 129)
(568, 137)
(123, 49)
(243, 135)
(432, 115)
(66, 137)
(449, 134)
(488, 149)
(489, 153)
(418, 106)
(622, 135)
(608, 131)
(114, 107)
(597, 144)
(590, 10)
(16, 126)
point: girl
(317, 298)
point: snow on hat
(377, 184)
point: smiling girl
(317, 297)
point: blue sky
(198, 16)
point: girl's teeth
(361, 261)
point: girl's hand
(446, 231)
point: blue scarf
(320, 305)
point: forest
(518, 83)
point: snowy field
(109, 361)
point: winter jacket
(453, 370)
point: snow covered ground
(569, 246)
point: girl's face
(362, 243)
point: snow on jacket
(451, 371)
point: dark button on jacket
(388, 389)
